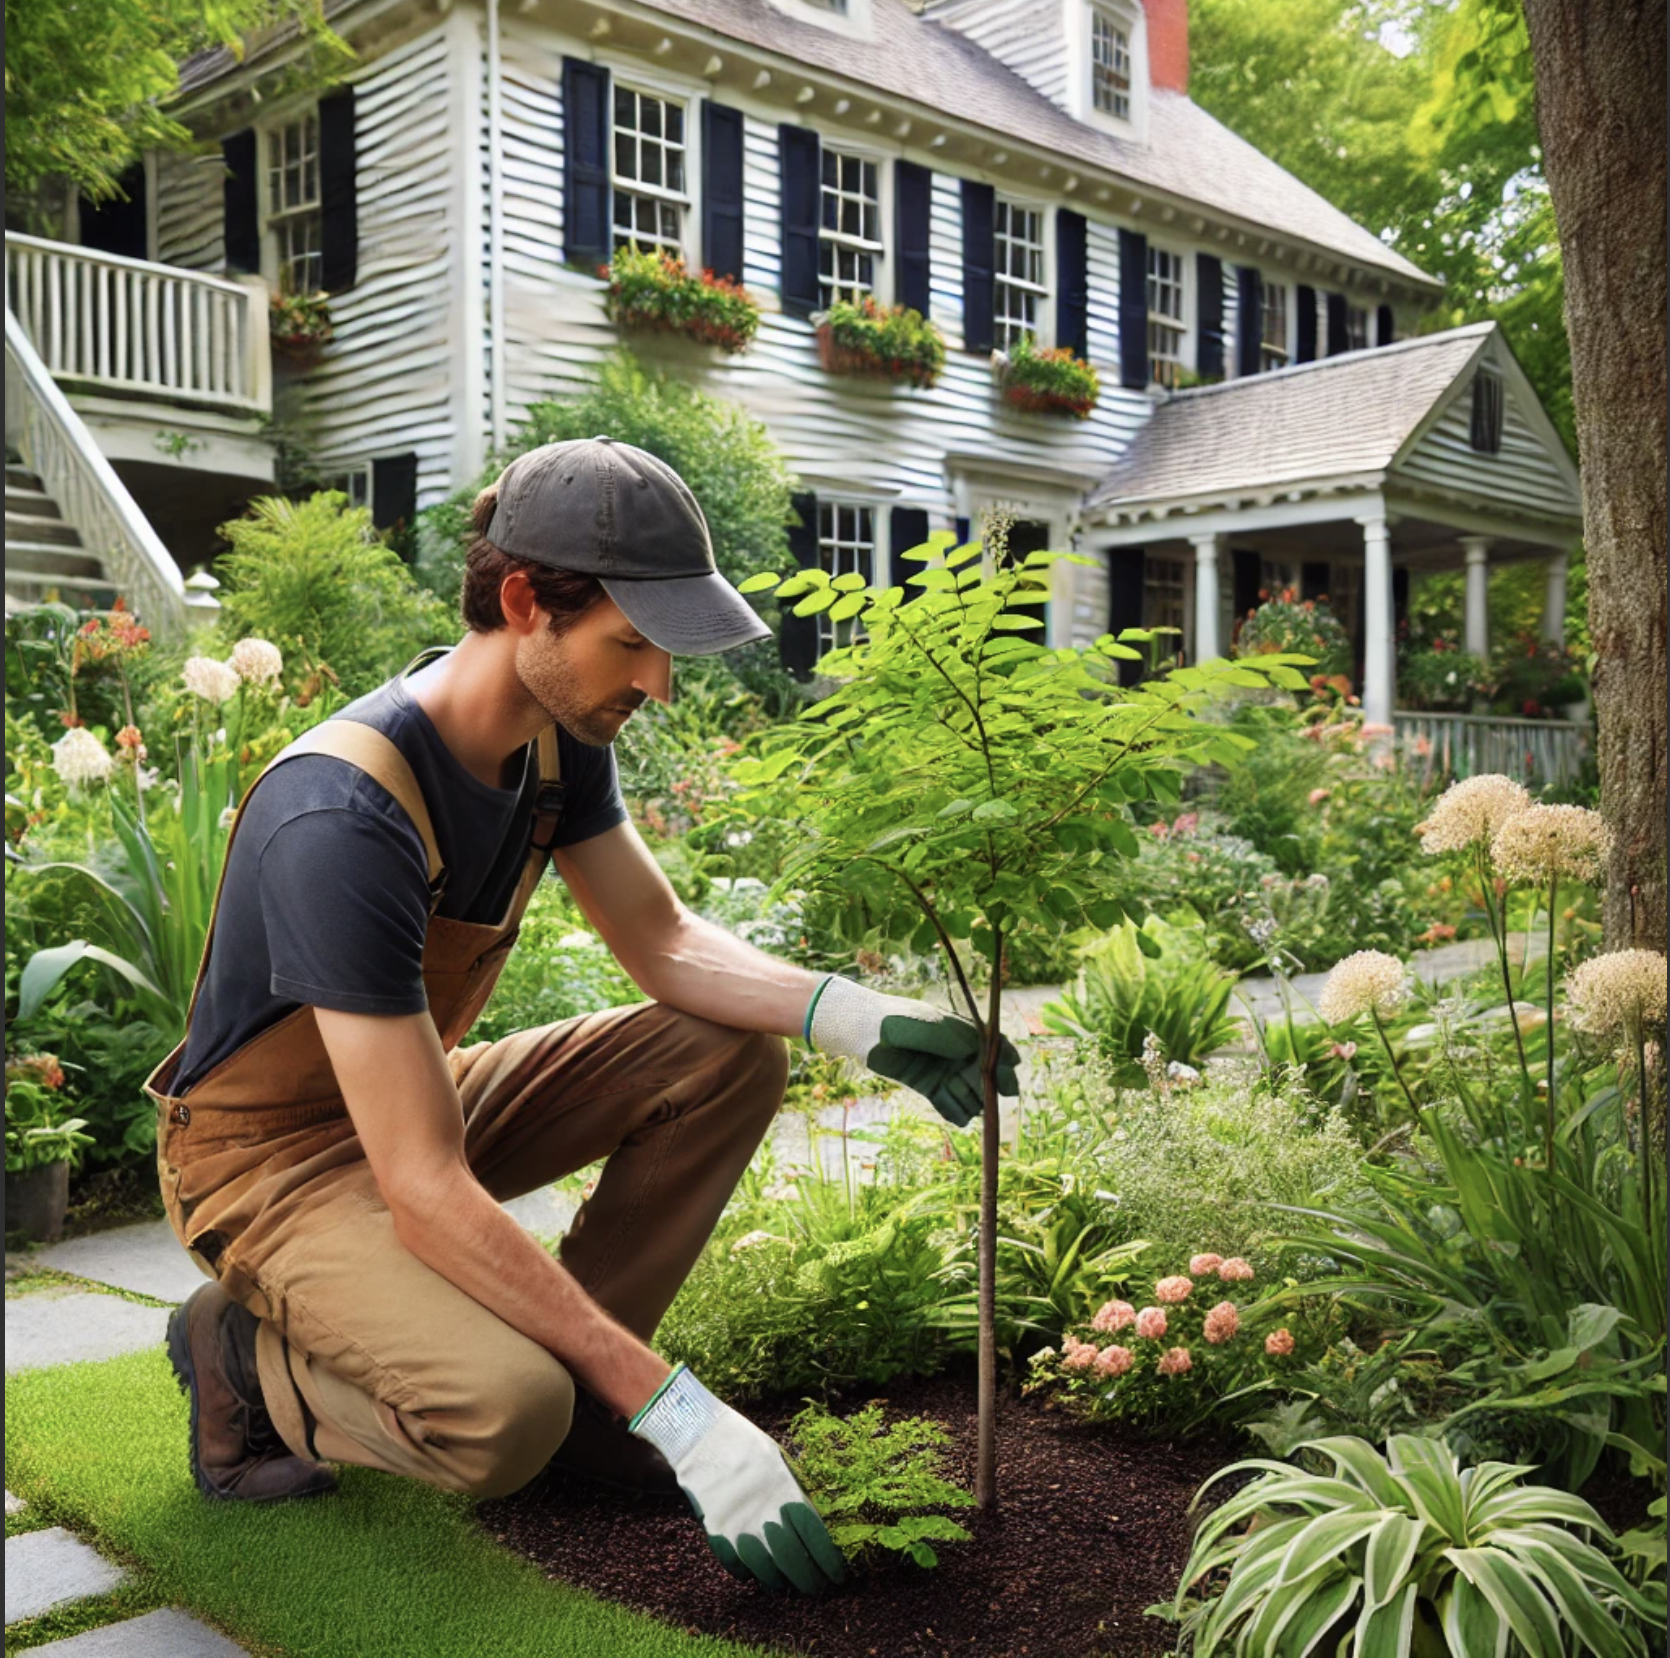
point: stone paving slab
(548, 1212)
(47, 1328)
(166, 1634)
(15, 1505)
(47, 1568)
(146, 1258)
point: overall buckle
(547, 808)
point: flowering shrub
(1288, 624)
(650, 288)
(40, 1128)
(1534, 678)
(1191, 1330)
(1442, 676)
(895, 344)
(1047, 381)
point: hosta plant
(1406, 1555)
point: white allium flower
(1470, 812)
(1547, 841)
(211, 680)
(80, 758)
(256, 662)
(1615, 993)
(1369, 981)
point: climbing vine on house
(963, 777)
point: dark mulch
(1090, 1528)
(1619, 1499)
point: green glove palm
(924, 1047)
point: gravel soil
(1090, 1528)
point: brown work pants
(368, 1356)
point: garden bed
(1090, 1529)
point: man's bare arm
(405, 1107)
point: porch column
(1208, 599)
(1379, 661)
(1476, 613)
(1554, 601)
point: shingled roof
(1336, 418)
(925, 63)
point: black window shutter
(585, 164)
(979, 255)
(1209, 309)
(1304, 347)
(1126, 570)
(802, 200)
(1384, 329)
(339, 234)
(722, 189)
(117, 226)
(242, 221)
(1339, 332)
(1245, 573)
(1249, 320)
(393, 490)
(962, 528)
(1072, 263)
(798, 644)
(1133, 310)
(913, 189)
(907, 527)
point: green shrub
(871, 1482)
(40, 1127)
(312, 578)
(1406, 1555)
(1285, 623)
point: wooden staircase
(45, 557)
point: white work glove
(924, 1047)
(758, 1521)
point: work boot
(601, 1450)
(235, 1450)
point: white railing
(56, 445)
(1463, 745)
(141, 330)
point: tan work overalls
(366, 1355)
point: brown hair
(564, 595)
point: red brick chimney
(1168, 44)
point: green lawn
(386, 1566)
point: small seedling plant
(871, 1481)
(962, 777)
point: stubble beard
(549, 681)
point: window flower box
(1046, 382)
(867, 340)
(652, 290)
(300, 326)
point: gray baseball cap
(612, 511)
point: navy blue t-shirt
(326, 900)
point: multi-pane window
(1110, 66)
(354, 483)
(846, 544)
(293, 204)
(1165, 315)
(1356, 327)
(1018, 290)
(1272, 335)
(649, 178)
(849, 238)
(1164, 593)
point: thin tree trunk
(991, 1141)
(1599, 68)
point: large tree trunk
(1599, 68)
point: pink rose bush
(1175, 1361)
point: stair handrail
(56, 445)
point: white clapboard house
(1271, 414)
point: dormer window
(1110, 65)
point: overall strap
(547, 814)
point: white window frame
(844, 633)
(1043, 291)
(354, 481)
(850, 17)
(1078, 28)
(273, 222)
(1267, 360)
(1358, 324)
(1106, 25)
(875, 249)
(1177, 571)
(1180, 325)
(682, 201)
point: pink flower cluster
(1233, 1270)
(1113, 1315)
(1173, 1290)
(1151, 1323)
(1114, 1361)
(1202, 1266)
(1175, 1361)
(1222, 1323)
(1279, 1343)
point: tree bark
(1600, 86)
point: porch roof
(1345, 417)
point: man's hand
(758, 1521)
(935, 1052)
